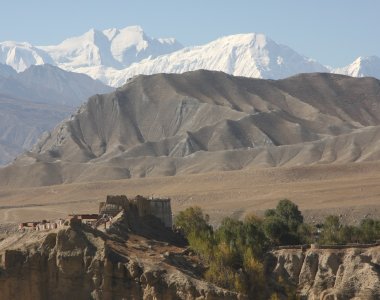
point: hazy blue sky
(333, 32)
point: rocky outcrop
(84, 263)
(324, 274)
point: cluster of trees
(334, 232)
(235, 250)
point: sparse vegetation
(335, 233)
(234, 252)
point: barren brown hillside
(203, 121)
(312, 138)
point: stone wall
(161, 208)
(140, 206)
(120, 200)
(143, 206)
(317, 246)
(113, 205)
(109, 209)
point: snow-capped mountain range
(362, 67)
(250, 55)
(112, 48)
(115, 55)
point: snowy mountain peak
(131, 44)
(21, 56)
(362, 67)
(250, 55)
(115, 48)
(137, 29)
(128, 37)
(259, 40)
(133, 30)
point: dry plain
(350, 190)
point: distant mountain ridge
(7, 71)
(201, 121)
(52, 85)
(115, 55)
(35, 100)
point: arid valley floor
(349, 190)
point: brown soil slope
(202, 121)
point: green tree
(289, 212)
(370, 230)
(240, 246)
(281, 225)
(331, 230)
(199, 233)
(192, 219)
(231, 235)
(270, 213)
(255, 275)
(255, 237)
(276, 230)
(306, 233)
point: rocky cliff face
(79, 262)
(326, 274)
(83, 263)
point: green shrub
(331, 233)
(281, 225)
(192, 219)
(306, 233)
(369, 230)
(289, 212)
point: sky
(334, 32)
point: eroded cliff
(78, 262)
(324, 274)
